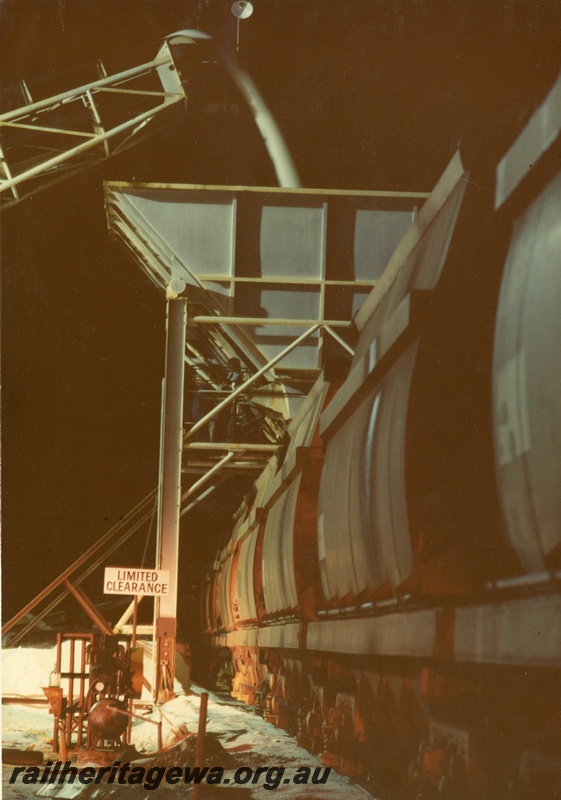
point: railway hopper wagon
(391, 590)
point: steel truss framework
(45, 140)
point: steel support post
(165, 626)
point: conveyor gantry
(48, 139)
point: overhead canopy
(276, 260)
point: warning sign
(123, 580)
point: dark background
(370, 95)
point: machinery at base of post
(91, 709)
(390, 593)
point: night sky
(370, 95)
